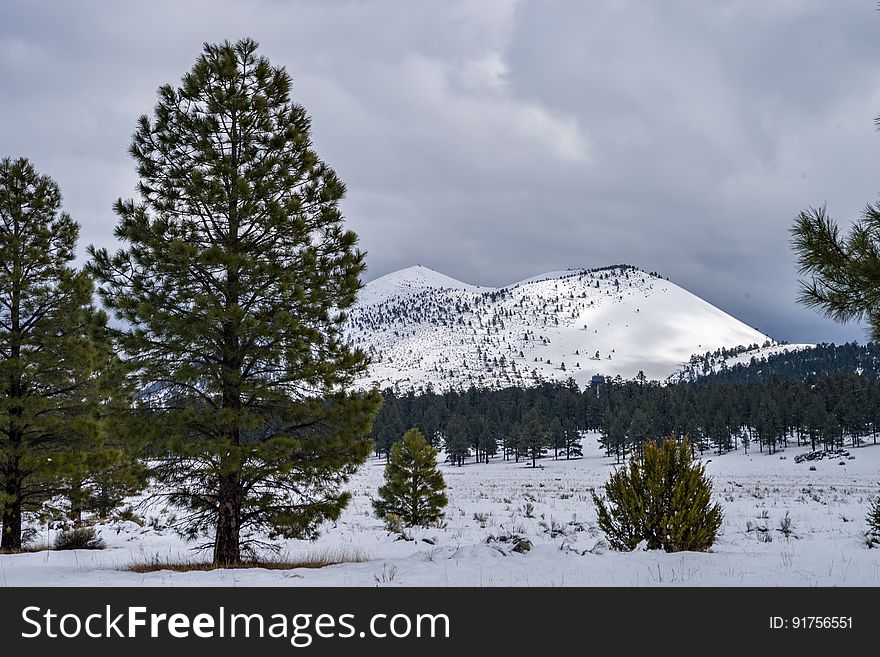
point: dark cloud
(494, 140)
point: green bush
(872, 536)
(413, 489)
(664, 499)
(81, 538)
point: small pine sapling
(414, 487)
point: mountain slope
(796, 362)
(423, 327)
(722, 361)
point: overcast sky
(494, 140)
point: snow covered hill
(422, 327)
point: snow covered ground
(551, 507)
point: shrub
(413, 488)
(664, 499)
(81, 538)
(872, 536)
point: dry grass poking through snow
(314, 559)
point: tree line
(826, 411)
(790, 364)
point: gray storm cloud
(498, 139)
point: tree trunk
(11, 539)
(76, 504)
(227, 550)
(414, 498)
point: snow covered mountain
(422, 327)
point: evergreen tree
(664, 498)
(486, 442)
(843, 271)
(614, 432)
(414, 486)
(55, 360)
(99, 480)
(718, 432)
(573, 447)
(430, 422)
(534, 436)
(556, 434)
(832, 432)
(814, 417)
(234, 283)
(844, 283)
(388, 425)
(457, 439)
(640, 429)
(873, 520)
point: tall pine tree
(457, 439)
(234, 283)
(532, 435)
(56, 365)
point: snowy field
(550, 506)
